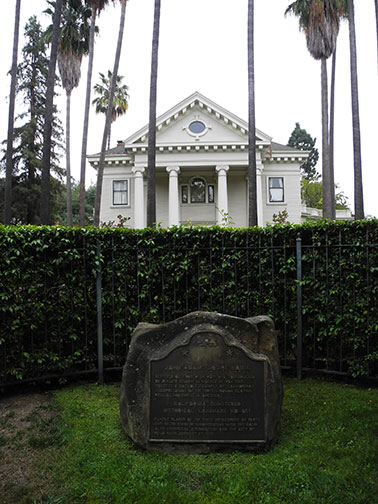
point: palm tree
(46, 157)
(252, 189)
(358, 190)
(100, 171)
(73, 44)
(332, 114)
(120, 100)
(376, 20)
(151, 163)
(319, 19)
(12, 100)
(97, 6)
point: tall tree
(73, 44)
(252, 183)
(358, 189)
(300, 139)
(376, 20)
(101, 165)
(12, 99)
(332, 114)
(120, 100)
(319, 19)
(97, 6)
(151, 163)
(28, 134)
(46, 159)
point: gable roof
(230, 132)
(202, 102)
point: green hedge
(48, 290)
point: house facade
(201, 171)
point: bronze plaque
(207, 391)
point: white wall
(291, 174)
(237, 197)
(237, 188)
(108, 211)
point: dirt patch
(28, 427)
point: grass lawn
(327, 453)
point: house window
(210, 194)
(184, 194)
(197, 127)
(276, 190)
(198, 191)
(120, 192)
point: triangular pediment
(197, 120)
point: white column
(260, 214)
(138, 197)
(173, 202)
(222, 207)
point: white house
(201, 171)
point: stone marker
(202, 383)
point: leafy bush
(48, 295)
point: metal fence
(79, 310)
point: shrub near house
(48, 322)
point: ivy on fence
(48, 290)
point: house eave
(204, 103)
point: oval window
(197, 127)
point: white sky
(203, 47)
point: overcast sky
(203, 47)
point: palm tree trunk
(100, 172)
(358, 190)
(86, 120)
(332, 116)
(252, 187)
(151, 164)
(376, 21)
(49, 110)
(12, 100)
(68, 161)
(110, 133)
(328, 185)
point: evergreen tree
(28, 133)
(61, 207)
(12, 99)
(300, 139)
(45, 206)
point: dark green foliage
(74, 36)
(300, 139)
(61, 211)
(28, 134)
(48, 295)
(312, 195)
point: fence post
(100, 346)
(299, 308)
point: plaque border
(256, 357)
